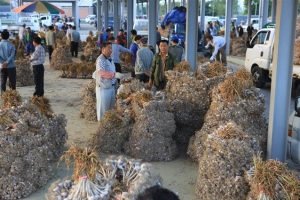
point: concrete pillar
(76, 15)
(286, 15)
(129, 21)
(184, 3)
(73, 12)
(265, 12)
(202, 22)
(105, 13)
(99, 15)
(152, 23)
(116, 18)
(191, 33)
(228, 15)
(274, 5)
(260, 13)
(134, 9)
(249, 12)
(169, 6)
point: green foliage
(218, 7)
(4, 3)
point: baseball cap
(174, 38)
(28, 28)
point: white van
(90, 19)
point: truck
(293, 138)
(259, 59)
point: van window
(260, 38)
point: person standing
(220, 47)
(133, 35)
(134, 47)
(69, 31)
(105, 81)
(250, 30)
(240, 29)
(50, 41)
(144, 57)
(22, 34)
(115, 56)
(214, 31)
(7, 54)
(29, 38)
(121, 38)
(162, 61)
(175, 49)
(37, 60)
(103, 37)
(75, 38)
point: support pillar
(105, 13)
(116, 18)
(281, 79)
(265, 13)
(249, 12)
(202, 22)
(152, 23)
(99, 15)
(273, 14)
(228, 15)
(192, 33)
(76, 16)
(169, 6)
(129, 21)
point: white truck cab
(259, 59)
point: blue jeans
(29, 48)
(105, 99)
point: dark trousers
(12, 75)
(142, 77)
(38, 75)
(29, 48)
(118, 69)
(74, 48)
(50, 50)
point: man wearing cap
(22, 33)
(220, 47)
(29, 38)
(37, 60)
(175, 49)
(144, 57)
(162, 61)
(7, 54)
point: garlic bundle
(60, 56)
(238, 47)
(29, 144)
(24, 73)
(88, 107)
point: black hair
(122, 30)
(157, 193)
(37, 40)
(50, 28)
(208, 36)
(108, 30)
(164, 41)
(105, 44)
(133, 32)
(111, 38)
(138, 37)
(74, 27)
(5, 35)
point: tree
(4, 3)
(218, 7)
(255, 3)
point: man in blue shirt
(75, 38)
(8, 69)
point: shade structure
(39, 7)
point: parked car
(90, 19)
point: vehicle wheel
(258, 79)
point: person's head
(28, 29)
(111, 39)
(36, 41)
(69, 26)
(106, 48)
(24, 25)
(144, 42)
(250, 24)
(174, 39)
(164, 46)
(74, 27)
(5, 35)
(40, 24)
(56, 28)
(232, 23)
(137, 39)
(157, 192)
(121, 32)
(50, 28)
(108, 30)
(133, 32)
(208, 38)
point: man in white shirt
(219, 43)
(69, 31)
(22, 33)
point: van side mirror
(297, 106)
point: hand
(147, 72)
(150, 83)
(28, 57)
(4, 64)
(212, 58)
(206, 47)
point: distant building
(5, 12)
